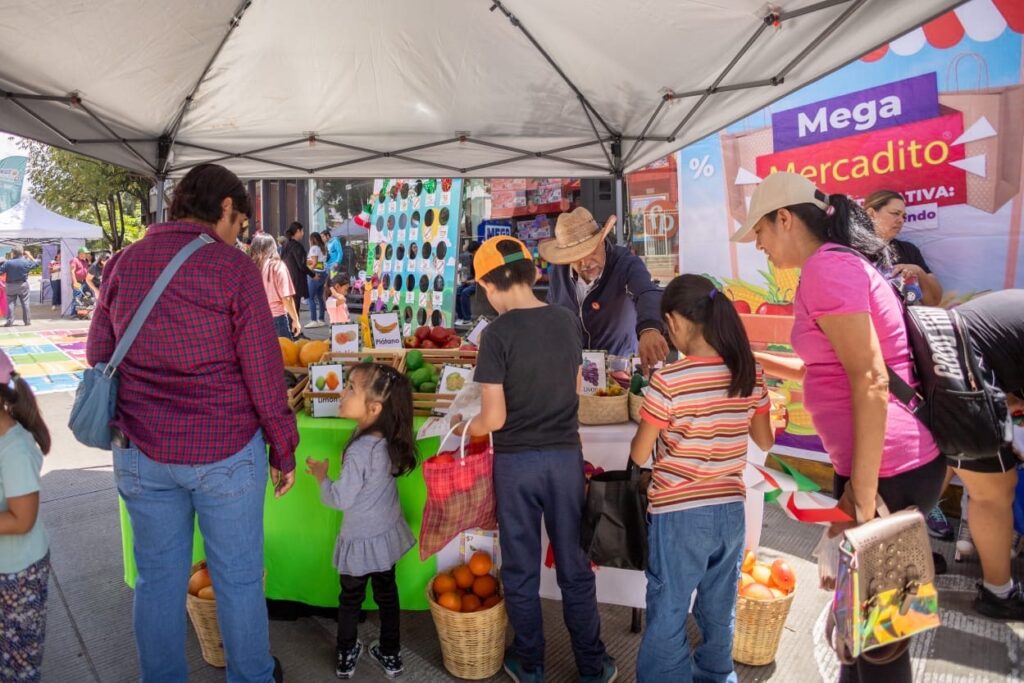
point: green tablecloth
(300, 531)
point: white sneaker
(314, 323)
(964, 542)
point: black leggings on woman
(920, 488)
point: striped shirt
(701, 452)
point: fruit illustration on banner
(385, 328)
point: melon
(289, 351)
(313, 352)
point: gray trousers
(18, 291)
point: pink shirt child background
(337, 309)
(837, 283)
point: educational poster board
(413, 248)
(935, 115)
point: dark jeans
(55, 292)
(920, 487)
(527, 485)
(283, 326)
(464, 300)
(350, 603)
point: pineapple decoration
(781, 290)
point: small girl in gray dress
(374, 535)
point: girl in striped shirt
(698, 412)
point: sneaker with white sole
(964, 543)
(938, 526)
(347, 660)
(392, 664)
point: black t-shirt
(905, 252)
(535, 354)
(996, 322)
(97, 274)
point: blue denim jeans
(317, 307)
(162, 502)
(700, 549)
(527, 485)
(464, 301)
(283, 326)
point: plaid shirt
(205, 371)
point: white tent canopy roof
(30, 221)
(278, 88)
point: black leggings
(920, 488)
(350, 603)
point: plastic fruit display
(463, 577)
(313, 352)
(199, 580)
(289, 352)
(480, 564)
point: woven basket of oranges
(468, 608)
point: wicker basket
(759, 625)
(203, 614)
(635, 401)
(473, 643)
(604, 410)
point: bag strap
(146, 307)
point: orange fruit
(480, 563)
(463, 576)
(783, 576)
(443, 583)
(470, 603)
(312, 352)
(491, 601)
(745, 580)
(756, 591)
(206, 593)
(199, 580)
(450, 601)
(485, 586)
(762, 574)
(749, 559)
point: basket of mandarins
(469, 614)
(201, 604)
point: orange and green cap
(488, 258)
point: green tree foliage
(343, 196)
(89, 190)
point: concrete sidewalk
(89, 635)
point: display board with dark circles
(411, 265)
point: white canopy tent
(29, 222)
(315, 88)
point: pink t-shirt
(837, 283)
(337, 309)
(277, 284)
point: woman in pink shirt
(278, 285)
(848, 327)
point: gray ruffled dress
(374, 534)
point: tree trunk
(115, 237)
(99, 217)
(120, 214)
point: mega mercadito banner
(937, 115)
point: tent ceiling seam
(171, 132)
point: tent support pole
(620, 187)
(159, 201)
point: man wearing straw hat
(609, 288)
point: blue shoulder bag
(96, 397)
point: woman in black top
(294, 256)
(888, 210)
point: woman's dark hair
(876, 200)
(317, 241)
(845, 223)
(698, 300)
(522, 272)
(293, 228)
(21, 403)
(201, 191)
(386, 384)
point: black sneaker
(347, 660)
(392, 664)
(991, 605)
(278, 671)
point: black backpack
(957, 398)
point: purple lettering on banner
(884, 106)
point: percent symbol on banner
(701, 167)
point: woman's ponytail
(21, 403)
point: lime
(413, 360)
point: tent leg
(159, 218)
(620, 226)
(636, 623)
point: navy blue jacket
(622, 304)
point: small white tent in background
(29, 222)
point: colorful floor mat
(49, 360)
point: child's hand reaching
(318, 468)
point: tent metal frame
(610, 141)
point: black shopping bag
(614, 528)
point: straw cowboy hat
(576, 235)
